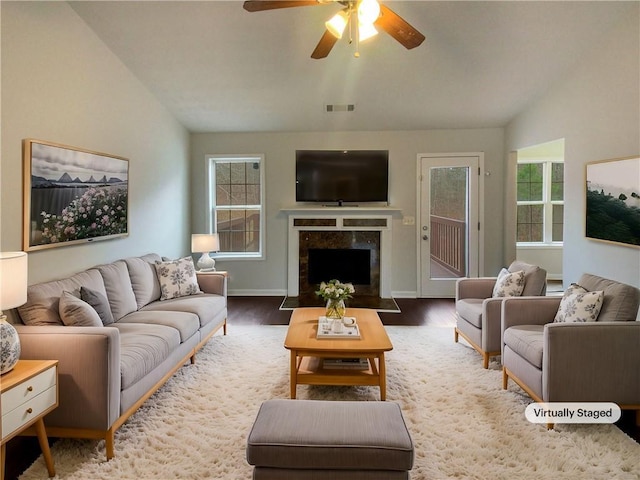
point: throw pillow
(509, 284)
(579, 305)
(75, 312)
(177, 278)
(99, 303)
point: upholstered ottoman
(313, 439)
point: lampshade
(205, 242)
(368, 12)
(366, 30)
(13, 279)
(337, 23)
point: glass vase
(335, 309)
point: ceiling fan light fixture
(366, 31)
(368, 11)
(363, 16)
(337, 24)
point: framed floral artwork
(613, 201)
(72, 195)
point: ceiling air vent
(339, 107)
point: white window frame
(212, 207)
(547, 214)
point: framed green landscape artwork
(613, 201)
(72, 195)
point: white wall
(269, 276)
(549, 258)
(596, 109)
(60, 83)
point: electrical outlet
(406, 220)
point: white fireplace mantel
(335, 210)
(346, 218)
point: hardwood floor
(265, 311)
(22, 451)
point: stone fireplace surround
(340, 227)
(341, 239)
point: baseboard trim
(405, 294)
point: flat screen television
(342, 176)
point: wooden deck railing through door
(448, 244)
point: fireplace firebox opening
(349, 265)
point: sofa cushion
(535, 278)
(177, 278)
(99, 303)
(119, 290)
(43, 299)
(579, 305)
(470, 309)
(509, 284)
(186, 323)
(620, 301)
(76, 312)
(205, 306)
(144, 278)
(142, 348)
(527, 341)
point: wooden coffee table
(308, 352)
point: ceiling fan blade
(260, 5)
(398, 28)
(324, 46)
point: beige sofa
(107, 370)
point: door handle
(425, 237)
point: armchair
(594, 361)
(478, 314)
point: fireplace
(346, 243)
(349, 256)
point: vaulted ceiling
(219, 68)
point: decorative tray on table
(325, 331)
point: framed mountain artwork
(72, 195)
(613, 201)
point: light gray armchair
(575, 362)
(478, 314)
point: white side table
(27, 394)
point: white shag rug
(462, 423)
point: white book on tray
(325, 330)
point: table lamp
(205, 243)
(13, 293)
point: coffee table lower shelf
(309, 370)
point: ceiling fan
(361, 16)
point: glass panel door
(449, 222)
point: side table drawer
(28, 392)
(22, 415)
(28, 389)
